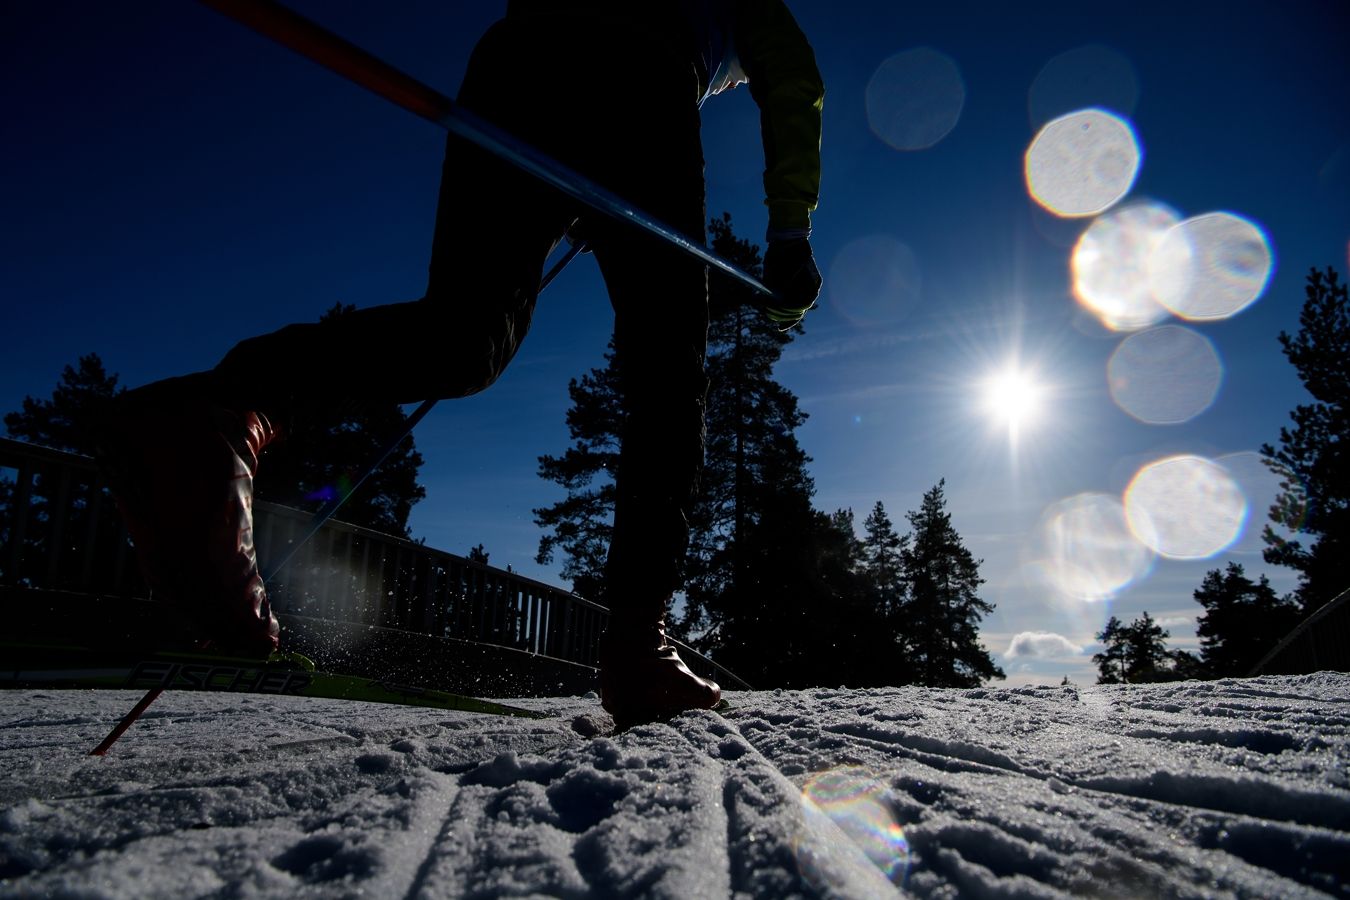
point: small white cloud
(1041, 645)
(1175, 621)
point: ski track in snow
(1197, 789)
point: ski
(287, 674)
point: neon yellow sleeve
(786, 85)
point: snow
(1206, 789)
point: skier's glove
(790, 272)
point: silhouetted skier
(612, 90)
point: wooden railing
(60, 531)
(59, 526)
(352, 574)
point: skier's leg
(183, 453)
(660, 357)
(661, 322)
(494, 229)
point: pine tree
(868, 594)
(1137, 653)
(67, 420)
(1242, 621)
(581, 524)
(1186, 666)
(883, 554)
(772, 626)
(1146, 651)
(944, 610)
(1314, 456)
(1111, 660)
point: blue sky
(177, 184)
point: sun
(1013, 398)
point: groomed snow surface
(1216, 789)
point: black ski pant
(624, 113)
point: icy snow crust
(1229, 788)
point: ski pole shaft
(318, 44)
(127, 721)
(548, 170)
(339, 55)
(327, 511)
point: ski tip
(291, 659)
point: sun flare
(1013, 398)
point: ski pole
(127, 721)
(341, 56)
(323, 515)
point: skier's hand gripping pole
(790, 272)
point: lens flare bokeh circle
(914, 99)
(1085, 549)
(1110, 265)
(1211, 266)
(1185, 507)
(874, 280)
(1164, 376)
(1082, 164)
(1087, 76)
(856, 802)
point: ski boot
(181, 468)
(643, 679)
